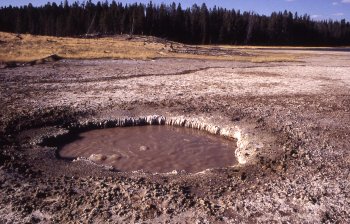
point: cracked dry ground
(298, 110)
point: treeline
(195, 25)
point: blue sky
(317, 9)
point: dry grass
(26, 48)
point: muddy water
(153, 149)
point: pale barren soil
(290, 119)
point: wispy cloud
(335, 3)
(338, 14)
(345, 1)
(290, 0)
(316, 16)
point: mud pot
(159, 149)
(287, 123)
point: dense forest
(195, 25)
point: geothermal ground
(290, 120)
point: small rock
(144, 148)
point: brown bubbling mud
(153, 149)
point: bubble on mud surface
(97, 157)
(157, 149)
(114, 157)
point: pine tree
(196, 25)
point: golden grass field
(28, 48)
